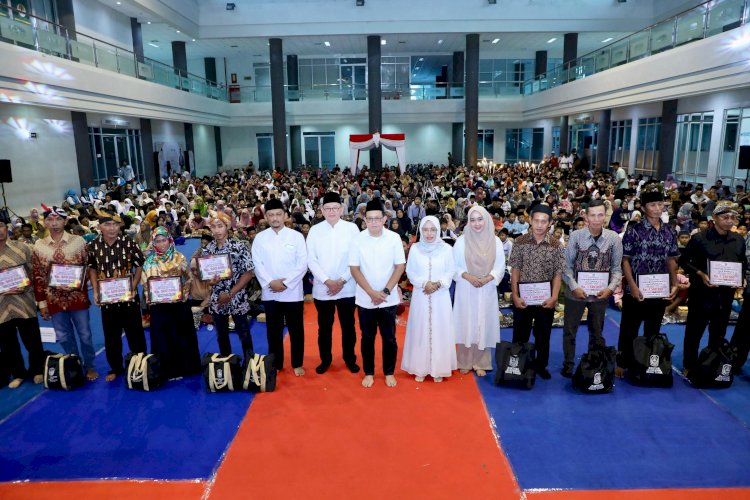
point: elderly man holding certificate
(166, 282)
(60, 288)
(18, 311)
(716, 262)
(649, 266)
(115, 270)
(537, 261)
(593, 272)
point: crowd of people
(455, 241)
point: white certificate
(592, 282)
(13, 278)
(115, 290)
(165, 290)
(535, 294)
(654, 285)
(212, 266)
(725, 273)
(48, 334)
(66, 276)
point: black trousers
(370, 321)
(326, 309)
(741, 335)
(276, 314)
(706, 308)
(173, 339)
(241, 326)
(595, 322)
(650, 312)
(115, 319)
(32, 340)
(540, 319)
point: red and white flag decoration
(362, 142)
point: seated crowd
(456, 243)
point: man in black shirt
(709, 303)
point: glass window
(265, 151)
(320, 149)
(619, 142)
(524, 145)
(692, 146)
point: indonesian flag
(360, 142)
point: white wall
(43, 168)
(165, 131)
(205, 150)
(99, 21)
(239, 145)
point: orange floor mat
(121, 490)
(325, 436)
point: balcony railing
(25, 30)
(706, 20)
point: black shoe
(322, 368)
(544, 373)
(353, 367)
(567, 372)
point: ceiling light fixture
(382, 42)
(177, 31)
(327, 44)
(119, 3)
(148, 22)
(421, 59)
(607, 40)
(153, 45)
(193, 39)
(551, 40)
(440, 42)
(495, 40)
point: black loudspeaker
(744, 161)
(5, 173)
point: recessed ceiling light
(177, 31)
(119, 3)
(421, 59)
(440, 42)
(327, 44)
(153, 45)
(193, 39)
(607, 40)
(149, 22)
(551, 40)
(495, 40)
(382, 42)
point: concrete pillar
(150, 169)
(457, 81)
(83, 149)
(292, 80)
(540, 66)
(278, 105)
(295, 144)
(564, 132)
(471, 100)
(374, 97)
(602, 140)
(667, 138)
(457, 146)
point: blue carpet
(633, 438)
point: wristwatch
(386, 291)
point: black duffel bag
(714, 367)
(222, 373)
(595, 373)
(63, 371)
(516, 364)
(652, 361)
(143, 371)
(259, 372)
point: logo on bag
(52, 375)
(597, 385)
(726, 372)
(513, 366)
(219, 377)
(653, 362)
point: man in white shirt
(377, 262)
(280, 259)
(328, 247)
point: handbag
(260, 372)
(516, 364)
(222, 373)
(144, 371)
(714, 367)
(595, 374)
(653, 361)
(63, 371)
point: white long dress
(430, 345)
(475, 310)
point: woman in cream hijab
(480, 265)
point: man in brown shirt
(18, 314)
(537, 261)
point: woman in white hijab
(480, 265)
(429, 348)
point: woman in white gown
(480, 265)
(429, 348)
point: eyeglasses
(374, 219)
(330, 209)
